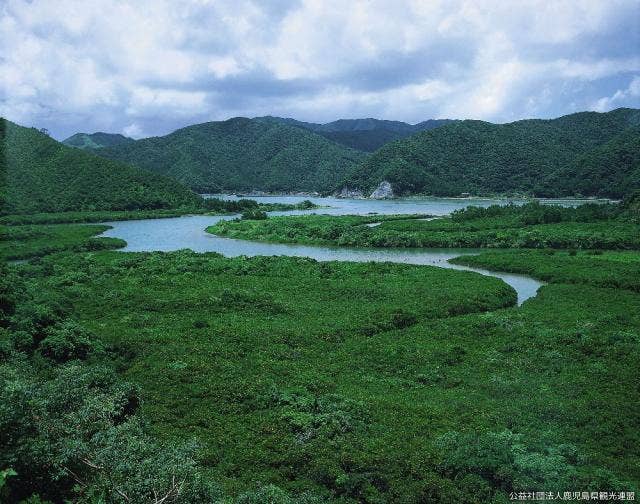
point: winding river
(188, 232)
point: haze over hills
(96, 140)
(241, 155)
(43, 175)
(367, 134)
(587, 153)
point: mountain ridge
(530, 156)
(96, 140)
(241, 154)
(365, 134)
(43, 175)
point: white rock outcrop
(383, 191)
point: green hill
(42, 175)
(588, 153)
(366, 135)
(96, 140)
(240, 155)
(614, 165)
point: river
(188, 232)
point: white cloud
(224, 66)
(133, 130)
(161, 64)
(144, 101)
(621, 97)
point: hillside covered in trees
(588, 153)
(96, 140)
(366, 135)
(42, 175)
(240, 155)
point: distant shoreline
(412, 197)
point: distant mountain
(42, 175)
(588, 153)
(96, 140)
(240, 155)
(366, 135)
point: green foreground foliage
(589, 226)
(287, 380)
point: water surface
(188, 232)
(416, 205)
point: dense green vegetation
(193, 378)
(242, 205)
(42, 175)
(533, 225)
(99, 216)
(23, 242)
(365, 135)
(96, 140)
(587, 153)
(208, 206)
(612, 168)
(351, 382)
(610, 269)
(70, 426)
(241, 155)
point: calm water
(431, 206)
(189, 233)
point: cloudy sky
(148, 67)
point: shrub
(306, 204)
(271, 494)
(81, 426)
(505, 461)
(67, 341)
(400, 319)
(22, 341)
(254, 215)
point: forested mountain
(614, 166)
(588, 153)
(96, 140)
(240, 155)
(42, 175)
(366, 135)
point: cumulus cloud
(133, 130)
(621, 97)
(147, 67)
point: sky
(148, 67)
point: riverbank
(216, 207)
(527, 226)
(30, 241)
(336, 379)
